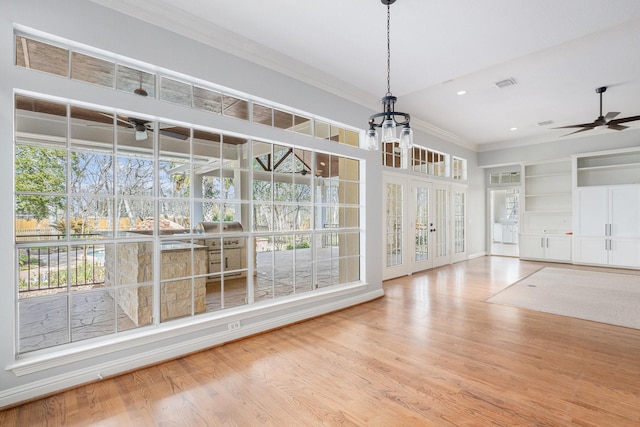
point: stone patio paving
(95, 313)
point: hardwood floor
(431, 352)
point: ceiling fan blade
(624, 120)
(176, 135)
(125, 120)
(578, 131)
(610, 115)
(584, 125)
(617, 127)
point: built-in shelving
(548, 187)
(612, 168)
(547, 218)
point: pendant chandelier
(389, 119)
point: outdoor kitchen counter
(174, 246)
(180, 295)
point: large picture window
(122, 222)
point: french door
(417, 221)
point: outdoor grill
(234, 255)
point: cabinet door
(531, 246)
(625, 211)
(624, 252)
(591, 211)
(592, 250)
(558, 248)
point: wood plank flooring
(431, 352)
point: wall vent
(545, 123)
(506, 82)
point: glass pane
(40, 121)
(303, 273)
(235, 107)
(263, 216)
(134, 176)
(38, 330)
(93, 314)
(207, 100)
(91, 173)
(324, 274)
(459, 222)
(91, 218)
(394, 231)
(352, 138)
(322, 130)
(337, 134)
(235, 153)
(41, 56)
(322, 165)
(175, 216)
(181, 259)
(134, 135)
(43, 271)
(422, 224)
(92, 70)
(282, 119)
(282, 159)
(135, 217)
(440, 221)
(263, 114)
(283, 262)
(91, 129)
(263, 278)
(40, 169)
(175, 92)
(40, 217)
(226, 291)
(129, 263)
(135, 306)
(391, 154)
(303, 125)
(135, 81)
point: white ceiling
(558, 51)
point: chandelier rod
(388, 48)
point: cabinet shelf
(615, 168)
(604, 167)
(564, 193)
(547, 175)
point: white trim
(145, 358)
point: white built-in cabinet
(546, 220)
(607, 225)
(607, 209)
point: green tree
(42, 173)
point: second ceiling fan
(607, 120)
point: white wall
(84, 22)
(600, 140)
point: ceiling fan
(608, 120)
(143, 127)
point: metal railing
(57, 267)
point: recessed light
(514, 129)
(461, 92)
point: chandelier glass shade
(389, 119)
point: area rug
(601, 297)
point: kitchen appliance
(225, 253)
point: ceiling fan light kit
(607, 120)
(389, 119)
